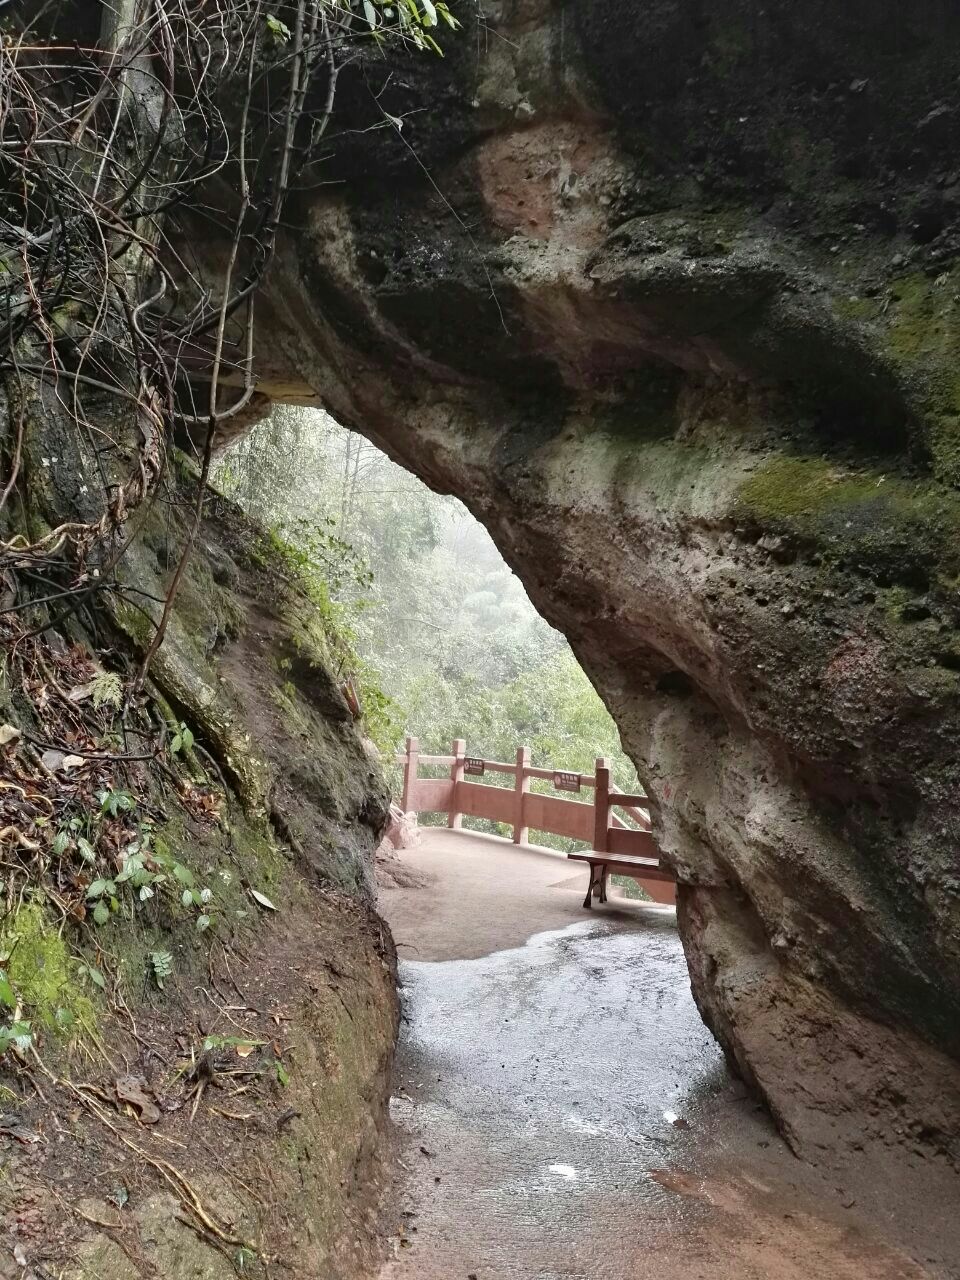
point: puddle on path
(536, 1085)
(556, 1103)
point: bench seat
(647, 872)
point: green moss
(803, 488)
(923, 336)
(855, 308)
(39, 970)
(205, 608)
(876, 520)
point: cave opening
(524, 1012)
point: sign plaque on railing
(563, 781)
(474, 766)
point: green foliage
(116, 802)
(414, 589)
(149, 873)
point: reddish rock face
(668, 298)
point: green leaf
(132, 868)
(97, 889)
(96, 977)
(7, 994)
(448, 17)
(22, 1035)
(279, 30)
(429, 13)
(183, 874)
(203, 922)
(101, 913)
(187, 737)
(176, 743)
(61, 843)
(86, 850)
(283, 1075)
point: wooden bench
(647, 872)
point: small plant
(244, 1260)
(113, 803)
(161, 966)
(182, 739)
(106, 690)
(103, 894)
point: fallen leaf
(73, 762)
(8, 734)
(52, 760)
(82, 692)
(245, 1050)
(136, 1091)
(262, 899)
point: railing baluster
(410, 765)
(455, 819)
(521, 787)
(601, 805)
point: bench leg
(604, 876)
(588, 900)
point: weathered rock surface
(267, 1052)
(668, 295)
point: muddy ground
(563, 1112)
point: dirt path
(566, 1114)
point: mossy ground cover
(232, 783)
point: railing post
(410, 766)
(456, 774)
(601, 805)
(520, 831)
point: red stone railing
(458, 795)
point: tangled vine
(118, 122)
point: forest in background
(425, 616)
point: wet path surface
(565, 1113)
